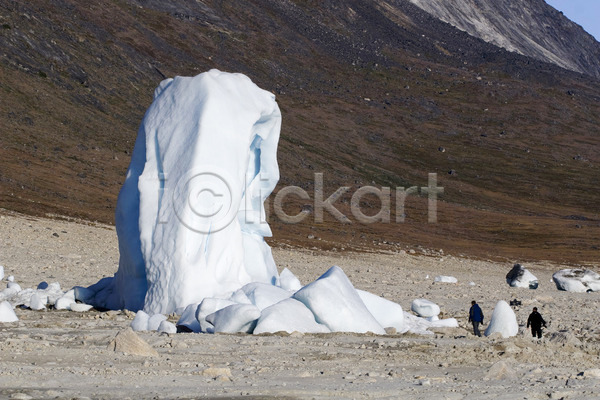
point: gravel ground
(63, 354)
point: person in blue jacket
(475, 317)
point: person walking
(536, 321)
(475, 317)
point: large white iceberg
(190, 216)
(191, 227)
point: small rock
(500, 370)
(128, 342)
(592, 373)
(220, 374)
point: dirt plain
(64, 354)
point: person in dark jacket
(536, 321)
(475, 317)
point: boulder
(128, 342)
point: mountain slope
(529, 27)
(374, 93)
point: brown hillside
(372, 93)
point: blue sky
(583, 12)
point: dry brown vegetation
(368, 94)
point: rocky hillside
(372, 93)
(529, 27)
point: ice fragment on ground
(38, 302)
(155, 320)
(445, 279)
(336, 304)
(80, 307)
(425, 308)
(386, 312)
(7, 314)
(188, 322)
(503, 321)
(167, 327)
(288, 315)
(207, 307)
(520, 277)
(577, 280)
(263, 295)
(64, 303)
(140, 321)
(289, 281)
(235, 318)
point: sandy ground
(63, 354)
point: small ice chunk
(520, 277)
(140, 321)
(577, 280)
(445, 279)
(503, 320)
(188, 321)
(288, 281)
(208, 306)
(263, 295)
(240, 297)
(387, 313)
(444, 323)
(288, 315)
(14, 285)
(1, 272)
(425, 308)
(38, 302)
(70, 294)
(235, 318)
(336, 304)
(10, 278)
(63, 303)
(167, 327)
(80, 307)
(83, 294)
(7, 314)
(155, 320)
